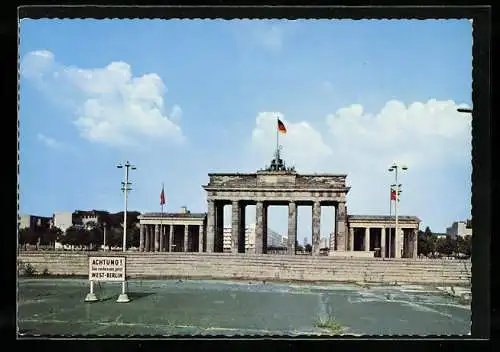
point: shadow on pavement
(131, 295)
(138, 295)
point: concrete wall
(254, 267)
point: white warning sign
(107, 268)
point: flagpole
(390, 215)
(277, 139)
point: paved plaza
(172, 307)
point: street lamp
(123, 298)
(395, 167)
(104, 234)
(466, 110)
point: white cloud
(422, 134)
(48, 141)
(303, 146)
(110, 105)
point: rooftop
(382, 218)
(174, 215)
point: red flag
(393, 194)
(162, 196)
(281, 127)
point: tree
(27, 236)
(308, 248)
(133, 236)
(50, 236)
(95, 236)
(464, 245)
(75, 236)
(426, 242)
(446, 246)
(114, 237)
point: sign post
(108, 269)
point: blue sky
(183, 98)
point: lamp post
(466, 110)
(104, 234)
(123, 298)
(395, 167)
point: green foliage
(75, 235)
(90, 236)
(28, 236)
(133, 236)
(429, 243)
(330, 324)
(308, 248)
(29, 270)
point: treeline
(90, 236)
(430, 245)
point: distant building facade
(459, 229)
(34, 222)
(323, 243)
(273, 239)
(332, 240)
(63, 220)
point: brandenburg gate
(355, 235)
(276, 185)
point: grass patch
(29, 270)
(330, 324)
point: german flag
(281, 127)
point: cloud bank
(109, 105)
(431, 138)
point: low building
(172, 232)
(89, 216)
(374, 235)
(459, 229)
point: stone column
(162, 233)
(235, 228)
(242, 232)
(259, 227)
(200, 238)
(351, 239)
(367, 239)
(316, 227)
(292, 227)
(219, 227)
(341, 226)
(210, 226)
(186, 233)
(141, 238)
(171, 238)
(148, 231)
(415, 244)
(406, 244)
(382, 243)
(397, 243)
(157, 238)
